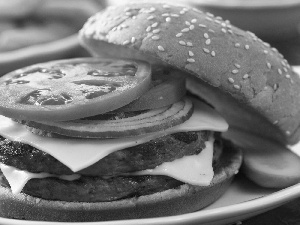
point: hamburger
(107, 138)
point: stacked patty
(110, 178)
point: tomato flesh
(168, 88)
(70, 89)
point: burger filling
(96, 129)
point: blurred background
(33, 31)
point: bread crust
(232, 60)
(166, 203)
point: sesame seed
(185, 30)
(154, 24)
(208, 18)
(219, 18)
(152, 9)
(191, 53)
(161, 48)
(192, 27)
(207, 42)
(132, 40)
(179, 35)
(275, 122)
(275, 87)
(224, 30)
(288, 76)
(124, 26)
(155, 37)
(265, 51)
(206, 50)
(189, 44)
(285, 69)
(174, 15)
(218, 21)
(150, 18)
(247, 47)
(269, 65)
(279, 71)
(234, 71)
(237, 65)
(212, 31)
(187, 23)
(194, 20)
(134, 17)
(156, 31)
(126, 42)
(231, 80)
(237, 45)
(148, 29)
(236, 86)
(182, 43)
(191, 60)
(168, 19)
(206, 35)
(246, 76)
(213, 53)
(274, 50)
(266, 44)
(182, 12)
(202, 25)
(210, 14)
(230, 31)
(114, 29)
(165, 14)
(128, 13)
(223, 24)
(288, 132)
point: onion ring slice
(148, 122)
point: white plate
(242, 200)
(246, 3)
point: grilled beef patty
(140, 157)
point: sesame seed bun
(166, 203)
(248, 81)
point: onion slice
(147, 122)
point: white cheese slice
(17, 179)
(193, 169)
(78, 154)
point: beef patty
(144, 156)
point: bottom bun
(184, 199)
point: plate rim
(246, 4)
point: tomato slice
(147, 122)
(71, 89)
(168, 88)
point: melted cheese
(193, 169)
(17, 179)
(78, 154)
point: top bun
(249, 82)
